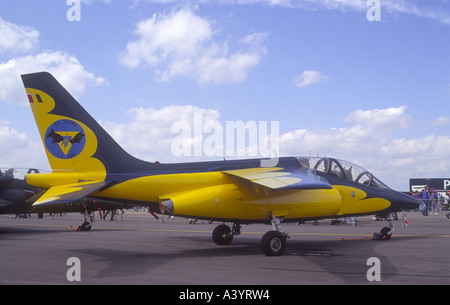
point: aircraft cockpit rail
(342, 169)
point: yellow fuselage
(215, 195)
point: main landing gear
(386, 232)
(273, 242)
(223, 234)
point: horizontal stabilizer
(280, 178)
(69, 192)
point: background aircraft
(17, 197)
(14, 191)
(86, 161)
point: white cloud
(433, 10)
(66, 68)
(441, 121)
(16, 39)
(418, 9)
(393, 118)
(374, 147)
(17, 150)
(339, 142)
(90, 2)
(147, 134)
(422, 9)
(181, 43)
(310, 77)
(417, 157)
(8, 135)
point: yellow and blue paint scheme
(86, 161)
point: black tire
(221, 235)
(273, 243)
(385, 231)
(85, 226)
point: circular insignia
(65, 139)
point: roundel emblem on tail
(65, 139)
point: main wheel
(273, 243)
(221, 235)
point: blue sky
(373, 93)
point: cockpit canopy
(342, 169)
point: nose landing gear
(386, 232)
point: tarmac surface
(142, 250)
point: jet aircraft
(86, 161)
(17, 197)
(14, 191)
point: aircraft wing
(69, 192)
(281, 178)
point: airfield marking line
(105, 228)
(31, 225)
(209, 231)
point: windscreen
(341, 169)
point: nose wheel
(386, 232)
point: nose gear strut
(386, 232)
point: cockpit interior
(342, 169)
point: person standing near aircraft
(416, 196)
(433, 200)
(425, 201)
(447, 200)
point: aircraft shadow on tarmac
(344, 260)
(10, 232)
(127, 263)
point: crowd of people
(431, 201)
